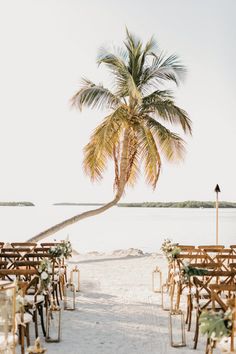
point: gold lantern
(53, 323)
(165, 298)
(8, 337)
(177, 328)
(36, 349)
(69, 296)
(156, 280)
(75, 278)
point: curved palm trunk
(87, 214)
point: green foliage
(188, 271)
(62, 250)
(215, 325)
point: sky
(48, 45)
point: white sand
(117, 312)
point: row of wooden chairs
(205, 292)
(21, 261)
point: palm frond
(133, 158)
(123, 79)
(94, 96)
(119, 52)
(102, 142)
(172, 146)
(162, 69)
(161, 104)
(149, 154)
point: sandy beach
(116, 310)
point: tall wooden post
(217, 190)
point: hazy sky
(47, 45)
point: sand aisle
(117, 311)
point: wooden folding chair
(203, 293)
(26, 275)
(56, 285)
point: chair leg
(190, 313)
(178, 295)
(22, 338)
(27, 335)
(40, 309)
(172, 293)
(187, 311)
(209, 347)
(61, 286)
(56, 292)
(36, 323)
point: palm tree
(132, 135)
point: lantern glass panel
(165, 297)
(69, 297)
(53, 324)
(7, 317)
(177, 329)
(75, 278)
(156, 280)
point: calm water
(118, 228)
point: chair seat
(27, 318)
(30, 299)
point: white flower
(44, 275)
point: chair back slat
(24, 244)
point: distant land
(185, 204)
(16, 204)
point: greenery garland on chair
(188, 271)
(61, 250)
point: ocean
(120, 228)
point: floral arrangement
(188, 271)
(170, 250)
(216, 325)
(45, 271)
(62, 250)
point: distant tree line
(16, 204)
(184, 204)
